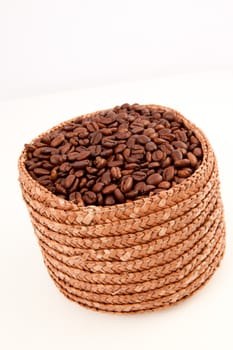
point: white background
(61, 59)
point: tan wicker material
(133, 257)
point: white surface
(33, 313)
(52, 45)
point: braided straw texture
(133, 257)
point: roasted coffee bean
(157, 155)
(168, 173)
(131, 194)
(89, 197)
(100, 198)
(109, 200)
(74, 187)
(41, 171)
(119, 148)
(143, 139)
(139, 176)
(100, 163)
(150, 146)
(109, 189)
(69, 180)
(80, 164)
(115, 156)
(193, 159)
(126, 183)
(53, 174)
(176, 155)
(153, 165)
(197, 152)
(182, 163)
(98, 187)
(179, 144)
(96, 137)
(154, 179)
(109, 143)
(119, 195)
(106, 178)
(164, 185)
(57, 140)
(115, 172)
(185, 172)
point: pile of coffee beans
(116, 156)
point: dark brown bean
(98, 187)
(157, 155)
(150, 146)
(168, 173)
(109, 189)
(109, 200)
(185, 172)
(89, 197)
(115, 172)
(164, 185)
(80, 164)
(139, 176)
(176, 155)
(143, 139)
(193, 159)
(57, 141)
(197, 152)
(69, 180)
(119, 195)
(154, 179)
(182, 163)
(126, 183)
(96, 137)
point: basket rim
(206, 148)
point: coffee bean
(109, 200)
(168, 173)
(115, 156)
(57, 140)
(119, 148)
(176, 155)
(197, 152)
(154, 179)
(109, 189)
(193, 159)
(98, 187)
(119, 195)
(100, 163)
(185, 172)
(106, 178)
(139, 176)
(109, 143)
(126, 183)
(164, 185)
(96, 137)
(150, 146)
(132, 194)
(182, 163)
(115, 172)
(157, 155)
(143, 139)
(80, 164)
(41, 171)
(89, 197)
(179, 144)
(69, 180)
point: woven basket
(133, 257)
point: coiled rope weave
(132, 257)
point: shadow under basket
(133, 257)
